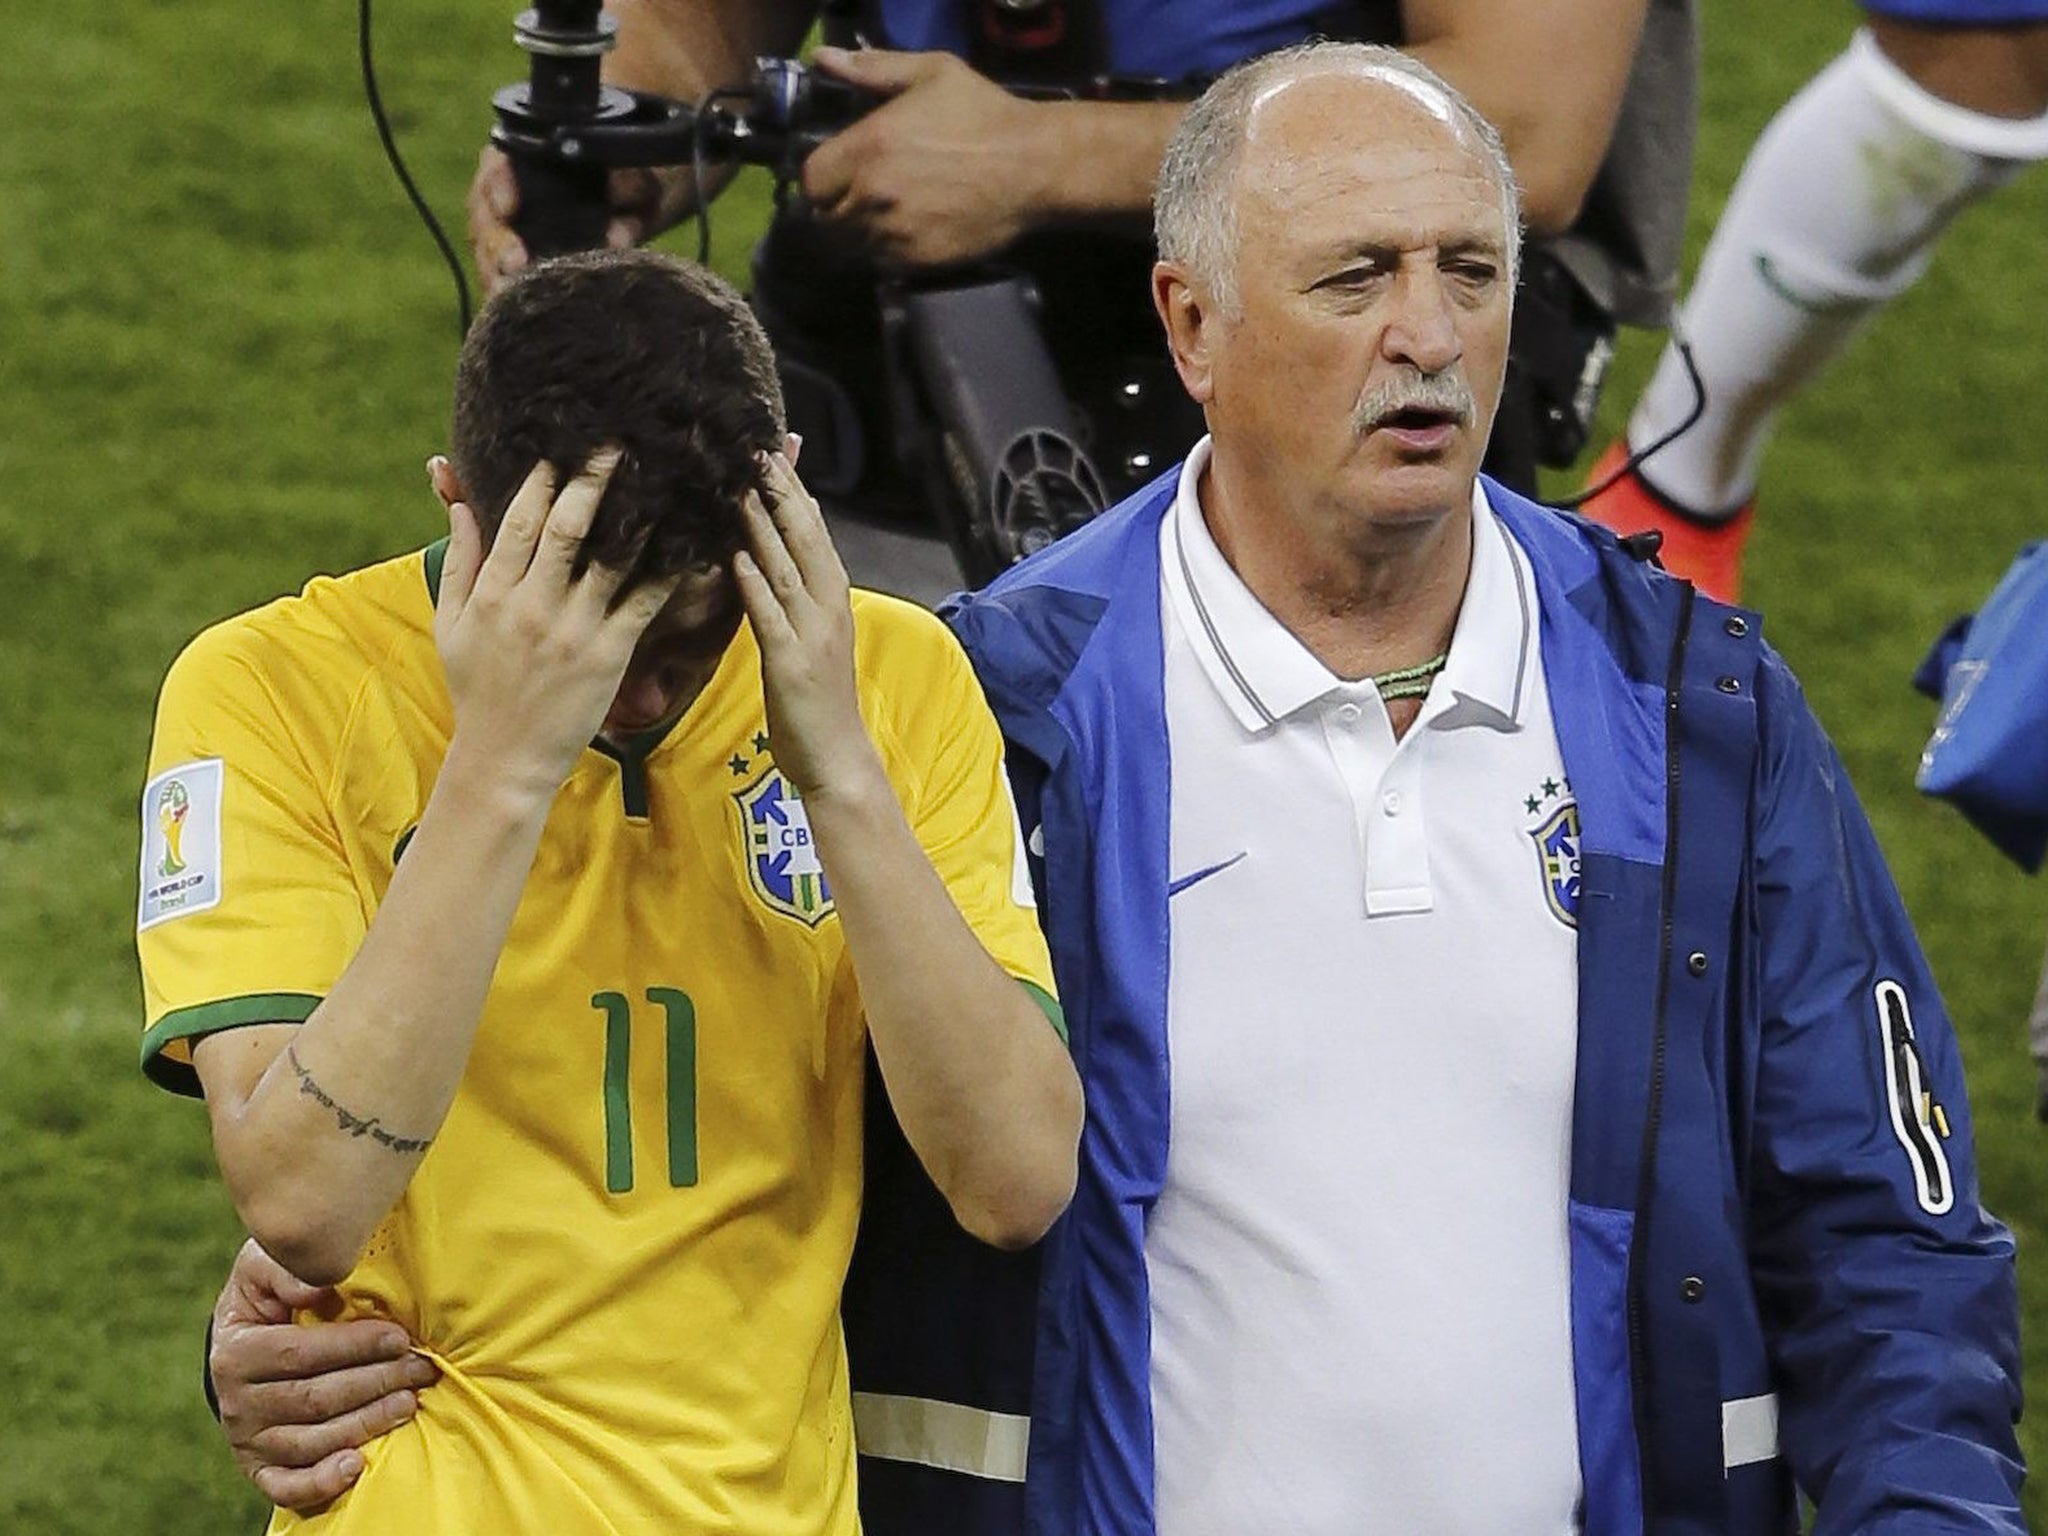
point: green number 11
(681, 1016)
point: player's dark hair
(637, 348)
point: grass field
(224, 353)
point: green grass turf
(224, 353)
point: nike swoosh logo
(1202, 874)
(1806, 303)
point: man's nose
(1422, 331)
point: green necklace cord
(1409, 682)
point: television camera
(977, 407)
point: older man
(1516, 1102)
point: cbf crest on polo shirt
(1553, 826)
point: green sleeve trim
(211, 1018)
(436, 558)
(1047, 1005)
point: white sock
(1837, 211)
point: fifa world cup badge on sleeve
(181, 842)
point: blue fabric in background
(1988, 755)
(1171, 39)
(1961, 13)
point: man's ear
(1190, 320)
(442, 476)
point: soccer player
(534, 902)
(1934, 105)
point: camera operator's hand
(943, 172)
(643, 204)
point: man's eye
(1473, 271)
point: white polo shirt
(1360, 1303)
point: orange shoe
(1709, 555)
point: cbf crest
(781, 856)
(1556, 836)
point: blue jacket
(1780, 1270)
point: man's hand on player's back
(297, 1402)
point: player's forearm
(327, 1139)
(980, 1081)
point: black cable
(390, 144)
(1637, 456)
(702, 209)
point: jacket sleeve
(1886, 1288)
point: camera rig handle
(987, 420)
(562, 197)
(564, 129)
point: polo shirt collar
(1493, 659)
(1263, 673)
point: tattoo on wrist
(354, 1124)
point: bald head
(1250, 109)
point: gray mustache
(1416, 392)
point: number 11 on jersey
(680, 1015)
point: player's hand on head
(643, 202)
(929, 178)
(799, 602)
(534, 648)
(298, 1401)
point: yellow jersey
(626, 1245)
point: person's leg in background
(1837, 211)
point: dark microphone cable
(1637, 456)
(412, 191)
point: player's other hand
(934, 175)
(534, 650)
(297, 1401)
(643, 204)
(799, 601)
